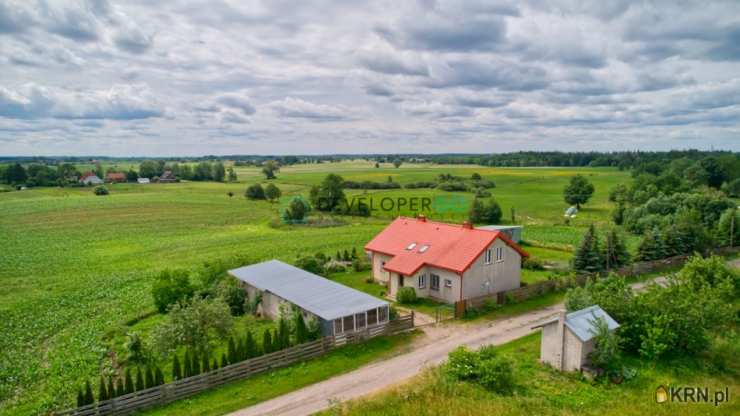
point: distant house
(167, 177)
(89, 178)
(338, 308)
(568, 339)
(446, 262)
(113, 177)
(143, 180)
(514, 232)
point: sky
(149, 78)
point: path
(430, 351)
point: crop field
(75, 266)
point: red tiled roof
(85, 175)
(116, 175)
(452, 247)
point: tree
(614, 252)
(111, 388)
(283, 333)
(727, 227)
(732, 188)
(98, 170)
(204, 364)
(120, 388)
(188, 367)
(301, 330)
(101, 190)
(255, 192)
(89, 398)
(310, 264)
(269, 168)
(485, 212)
(607, 352)
(170, 287)
(267, 342)
(139, 380)
(197, 324)
(224, 360)
(128, 382)
(578, 191)
(587, 257)
(218, 172)
(476, 176)
(203, 171)
(102, 391)
(176, 369)
(234, 295)
(131, 175)
(651, 246)
(329, 194)
(232, 351)
(231, 174)
(149, 378)
(397, 162)
(150, 169)
(297, 210)
(272, 192)
(135, 348)
(80, 398)
(377, 165)
(158, 376)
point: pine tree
(149, 377)
(188, 370)
(80, 398)
(158, 376)
(354, 252)
(275, 341)
(339, 256)
(120, 388)
(346, 255)
(267, 342)
(241, 350)
(140, 380)
(224, 360)
(111, 388)
(176, 370)
(651, 246)
(102, 391)
(587, 257)
(249, 346)
(301, 330)
(232, 351)
(195, 364)
(671, 241)
(205, 365)
(614, 252)
(128, 382)
(89, 398)
(214, 366)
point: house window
(448, 283)
(488, 256)
(422, 281)
(411, 246)
(349, 323)
(499, 254)
(433, 281)
(338, 326)
(382, 314)
(372, 317)
(424, 248)
(360, 320)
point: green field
(75, 266)
(540, 390)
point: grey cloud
(492, 73)
(394, 64)
(297, 108)
(237, 101)
(379, 90)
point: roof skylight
(424, 248)
(411, 246)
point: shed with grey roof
(568, 339)
(338, 308)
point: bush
(311, 265)
(170, 287)
(255, 192)
(334, 267)
(533, 263)
(359, 265)
(484, 367)
(419, 185)
(452, 186)
(101, 190)
(234, 295)
(406, 295)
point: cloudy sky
(302, 77)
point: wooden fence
(546, 286)
(186, 387)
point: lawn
(263, 387)
(75, 266)
(540, 390)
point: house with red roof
(445, 262)
(89, 178)
(115, 177)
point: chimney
(467, 225)
(421, 218)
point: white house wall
(486, 279)
(379, 274)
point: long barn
(339, 309)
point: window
(433, 281)
(372, 317)
(338, 326)
(382, 314)
(349, 323)
(411, 246)
(488, 256)
(422, 281)
(448, 283)
(424, 248)
(360, 320)
(499, 254)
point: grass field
(543, 391)
(74, 266)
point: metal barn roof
(581, 322)
(320, 296)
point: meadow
(75, 266)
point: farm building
(514, 232)
(112, 177)
(446, 262)
(167, 177)
(568, 339)
(89, 178)
(142, 180)
(338, 308)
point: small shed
(338, 308)
(114, 177)
(514, 232)
(143, 180)
(167, 177)
(568, 339)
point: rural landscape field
(76, 266)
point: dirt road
(431, 350)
